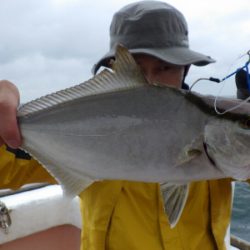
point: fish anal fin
(174, 198)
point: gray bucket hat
(154, 28)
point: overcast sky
(52, 44)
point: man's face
(158, 71)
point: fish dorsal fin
(174, 197)
(125, 74)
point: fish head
(228, 145)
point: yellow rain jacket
(124, 215)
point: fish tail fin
(174, 197)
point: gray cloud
(46, 46)
(40, 28)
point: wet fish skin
(119, 136)
(117, 126)
(229, 146)
(134, 131)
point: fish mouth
(208, 156)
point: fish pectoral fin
(174, 197)
(191, 151)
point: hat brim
(174, 55)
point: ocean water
(240, 225)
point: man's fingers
(9, 129)
(9, 100)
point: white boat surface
(45, 215)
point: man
(122, 214)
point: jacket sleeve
(17, 168)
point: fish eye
(245, 124)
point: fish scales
(117, 135)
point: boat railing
(239, 243)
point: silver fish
(117, 126)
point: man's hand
(9, 101)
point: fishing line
(213, 79)
(230, 109)
(244, 67)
